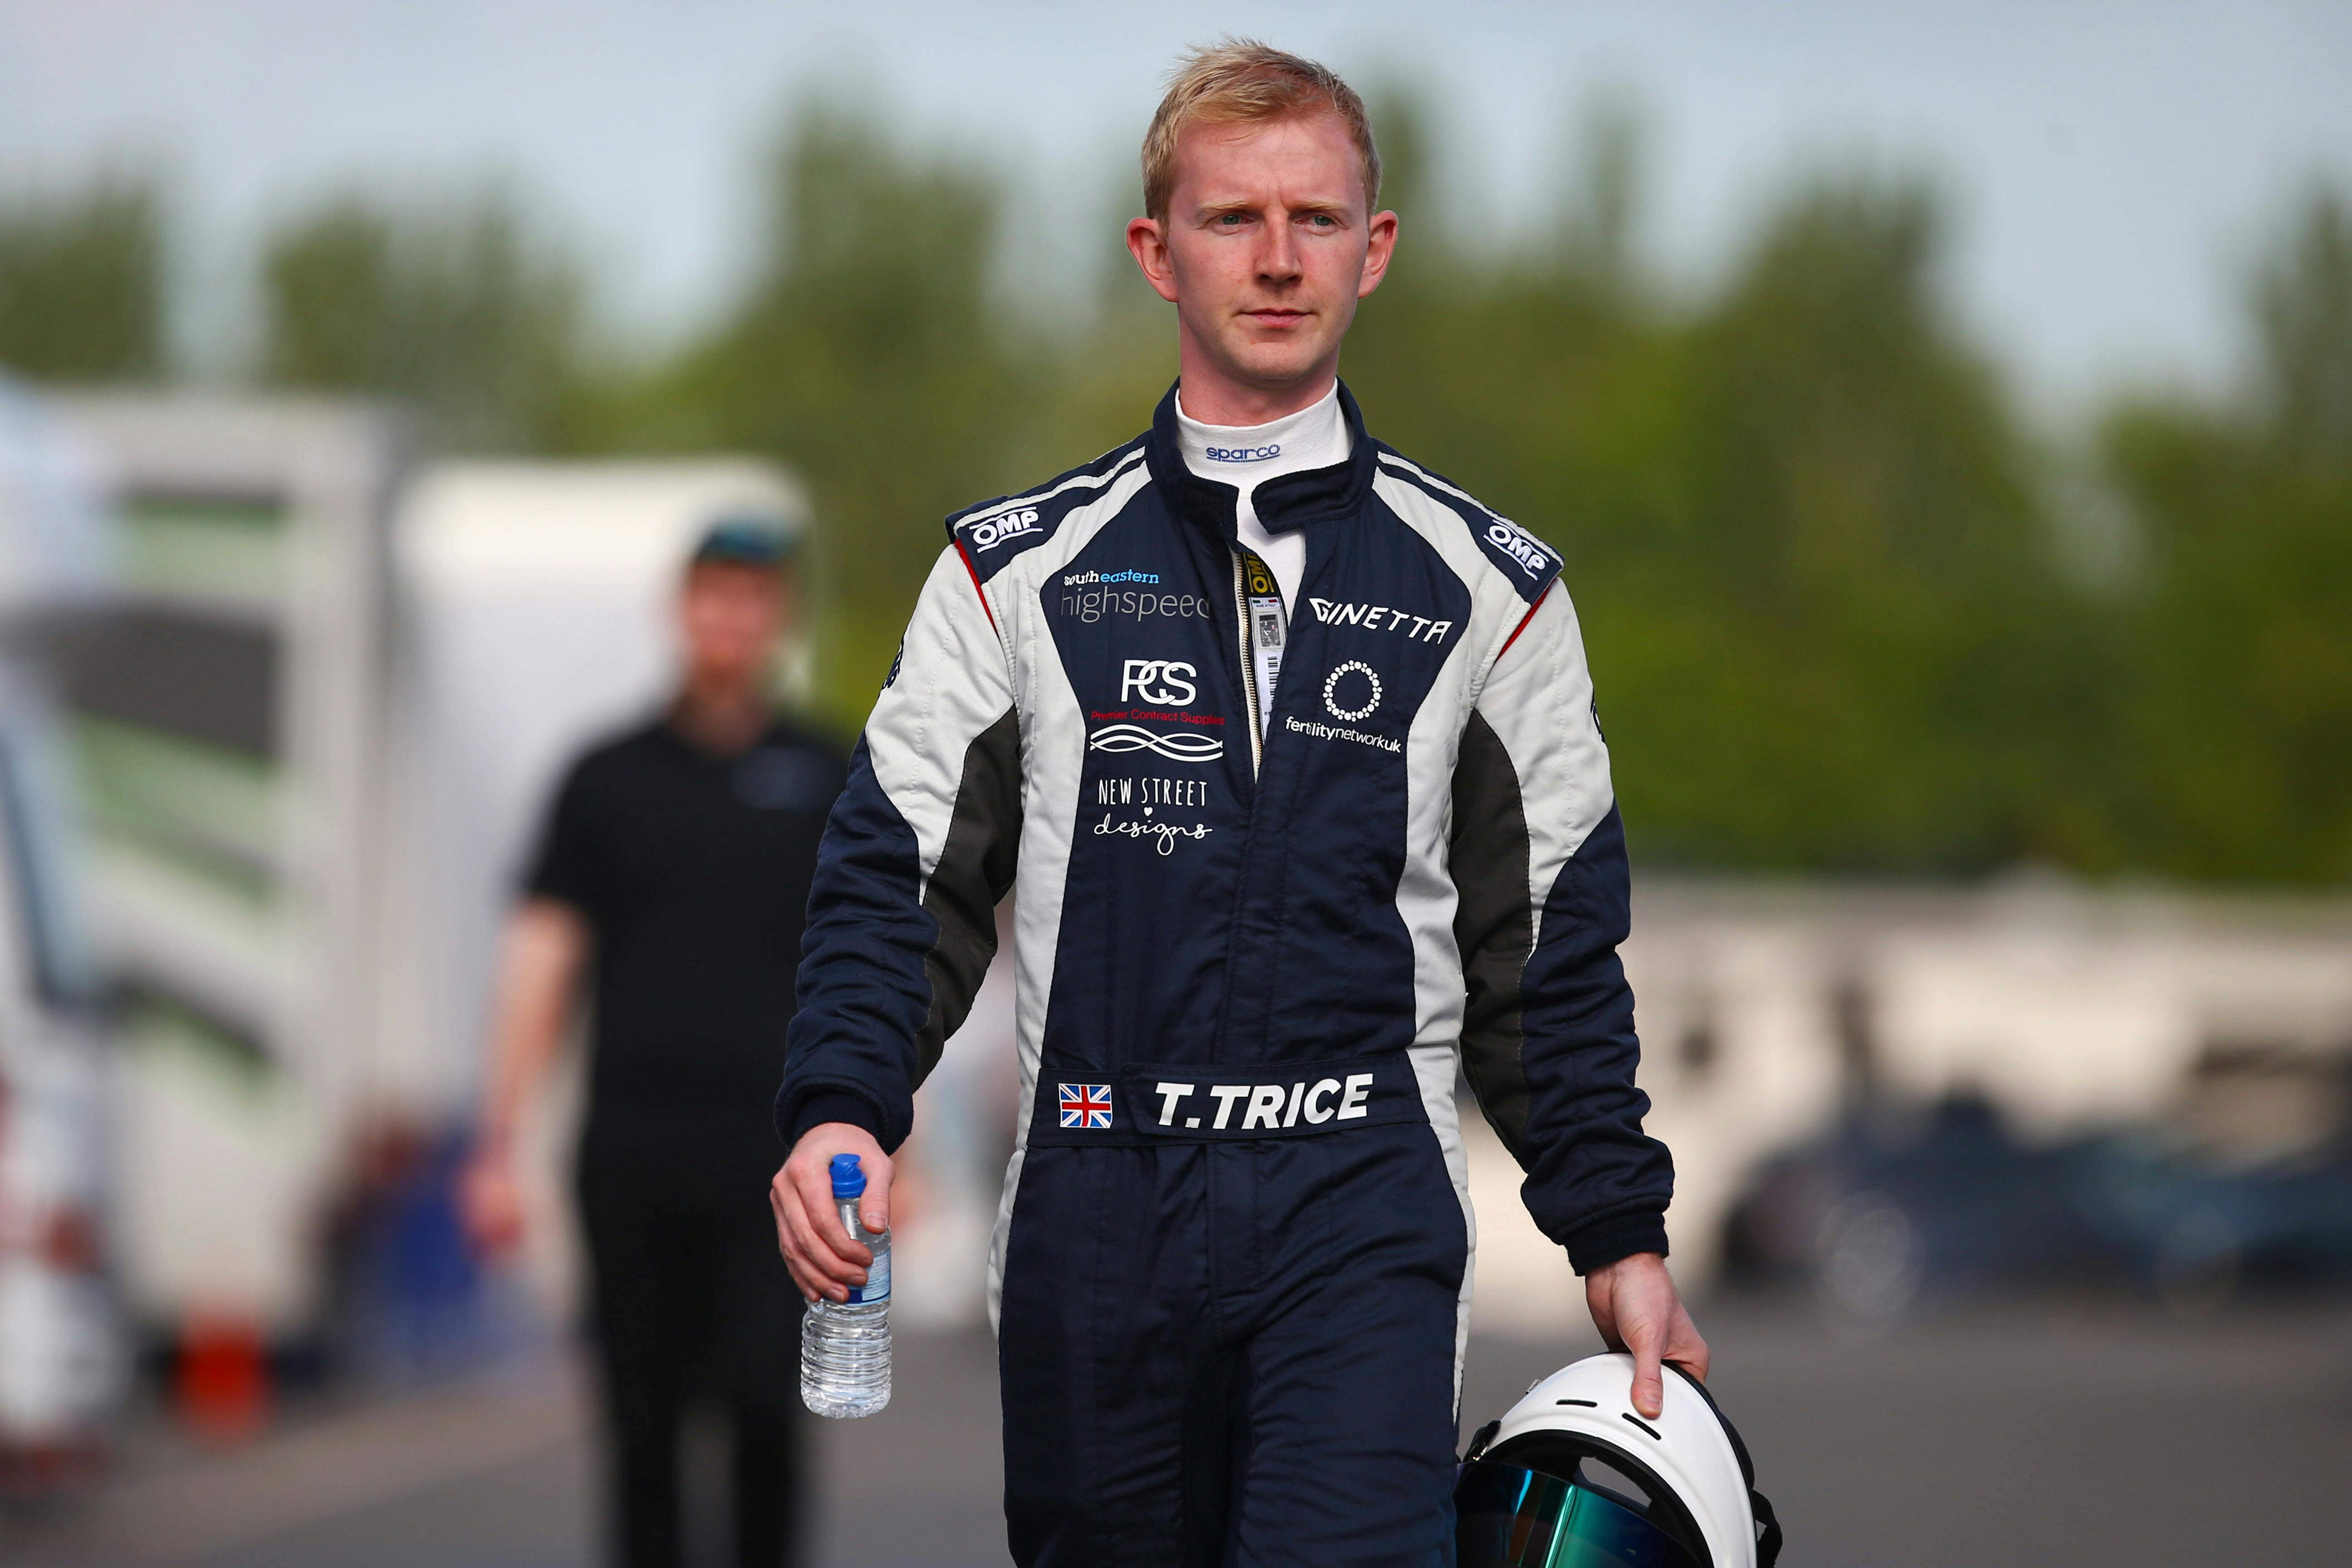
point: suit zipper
(1249, 658)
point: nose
(1279, 260)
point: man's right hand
(489, 1200)
(822, 1259)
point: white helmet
(1573, 1477)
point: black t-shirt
(692, 871)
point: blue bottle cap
(848, 1176)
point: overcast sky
(2115, 163)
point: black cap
(751, 539)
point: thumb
(875, 1212)
(1649, 1381)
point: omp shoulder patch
(1526, 562)
(998, 532)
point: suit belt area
(1196, 1102)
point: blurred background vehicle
(61, 1354)
(1948, 420)
(1951, 1202)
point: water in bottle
(845, 1345)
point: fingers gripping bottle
(845, 1345)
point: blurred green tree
(81, 283)
(870, 355)
(1816, 546)
(1854, 592)
(1802, 524)
(2241, 645)
(457, 309)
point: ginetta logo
(1380, 618)
(1165, 682)
(988, 536)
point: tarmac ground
(2082, 1436)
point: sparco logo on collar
(995, 531)
(1243, 453)
(1165, 681)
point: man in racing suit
(1288, 748)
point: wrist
(824, 1106)
(1603, 1242)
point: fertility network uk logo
(1339, 687)
(1331, 690)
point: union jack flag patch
(1087, 1105)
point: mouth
(1274, 316)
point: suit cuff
(1621, 1236)
(823, 1105)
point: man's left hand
(1636, 1308)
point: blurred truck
(334, 686)
(60, 1355)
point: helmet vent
(1645, 1426)
(1588, 1403)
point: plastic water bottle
(845, 1345)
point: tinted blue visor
(1505, 1517)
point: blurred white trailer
(230, 732)
(60, 1357)
(312, 749)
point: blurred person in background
(668, 893)
(1291, 748)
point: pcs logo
(1166, 682)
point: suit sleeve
(1539, 868)
(917, 852)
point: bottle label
(877, 1282)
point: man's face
(1266, 248)
(730, 618)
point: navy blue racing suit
(1231, 1271)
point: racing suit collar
(1302, 499)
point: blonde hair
(1239, 81)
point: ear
(1380, 245)
(1147, 241)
